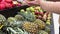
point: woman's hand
(32, 2)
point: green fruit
(19, 17)
(32, 9)
(48, 22)
(42, 32)
(28, 16)
(41, 10)
(27, 9)
(26, 12)
(47, 29)
(22, 10)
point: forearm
(51, 6)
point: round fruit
(32, 9)
(41, 13)
(22, 10)
(48, 22)
(2, 6)
(9, 1)
(36, 13)
(40, 23)
(8, 5)
(37, 8)
(27, 9)
(19, 17)
(30, 27)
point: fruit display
(40, 23)
(42, 32)
(38, 12)
(33, 20)
(28, 15)
(30, 27)
(48, 21)
(47, 29)
(2, 21)
(19, 17)
(40, 17)
(13, 22)
(5, 4)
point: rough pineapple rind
(30, 27)
(40, 23)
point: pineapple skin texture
(30, 27)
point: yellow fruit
(40, 23)
(48, 22)
(37, 8)
(32, 9)
(30, 27)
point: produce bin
(13, 11)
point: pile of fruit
(33, 20)
(5, 4)
(37, 13)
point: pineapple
(30, 27)
(40, 23)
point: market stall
(16, 18)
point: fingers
(29, 1)
(35, 2)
